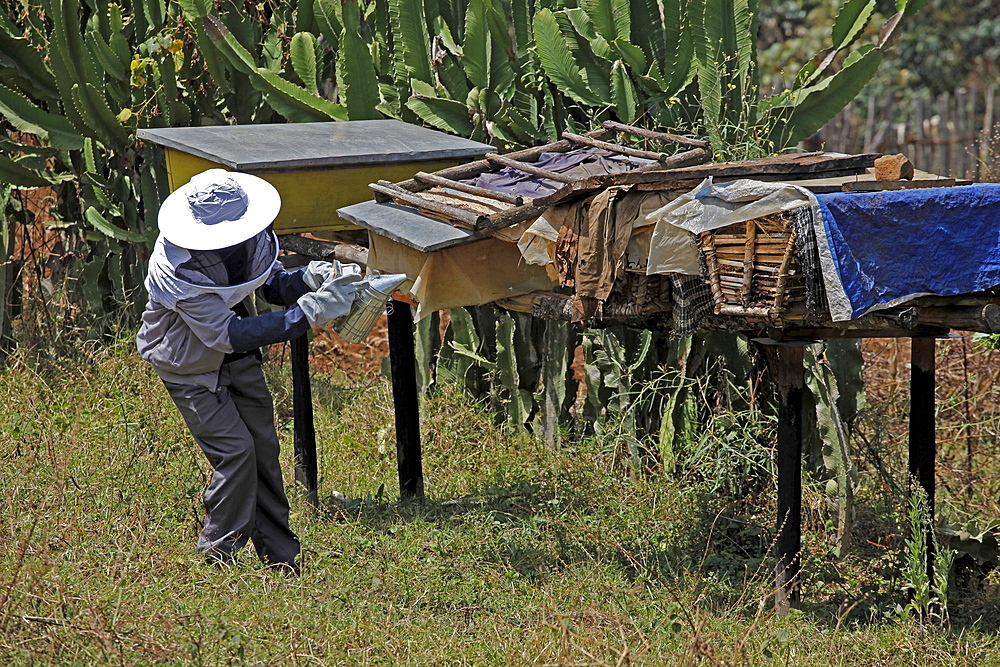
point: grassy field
(521, 555)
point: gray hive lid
(288, 146)
(405, 225)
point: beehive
(316, 167)
(753, 269)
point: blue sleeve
(249, 333)
(284, 288)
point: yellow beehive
(316, 167)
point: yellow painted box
(316, 167)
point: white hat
(217, 209)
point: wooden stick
(650, 134)
(690, 158)
(740, 311)
(748, 257)
(392, 191)
(736, 264)
(529, 169)
(511, 216)
(470, 189)
(779, 297)
(481, 166)
(708, 247)
(345, 252)
(614, 148)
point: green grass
(521, 555)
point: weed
(927, 590)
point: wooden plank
(809, 332)
(830, 183)
(512, 216)
(783, 165)
(877, 186)
(983, 319)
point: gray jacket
(188, 324)
(186, 344)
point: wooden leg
(922, 425)
(302, 411)
(402, 361)
(788, 545)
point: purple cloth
(579, 163)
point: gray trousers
(246, 497)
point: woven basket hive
(753, 269)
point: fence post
(986, 138)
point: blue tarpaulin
(886, 247)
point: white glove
(333, 299)
(316, 273)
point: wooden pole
(505, 161)
(922, 425)
(402, 362)
(432, 179)
(304, 436)
(387, 191)
(788, 544)
(614, 148)
(649, 134)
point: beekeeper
(215, 249)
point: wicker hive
(753, 269)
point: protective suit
(199, 333)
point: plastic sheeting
(673, 248)
(888, 247)
(876, 250)
(466, 275)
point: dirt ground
(330, 354)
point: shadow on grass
(721, 559)
(536, 527)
